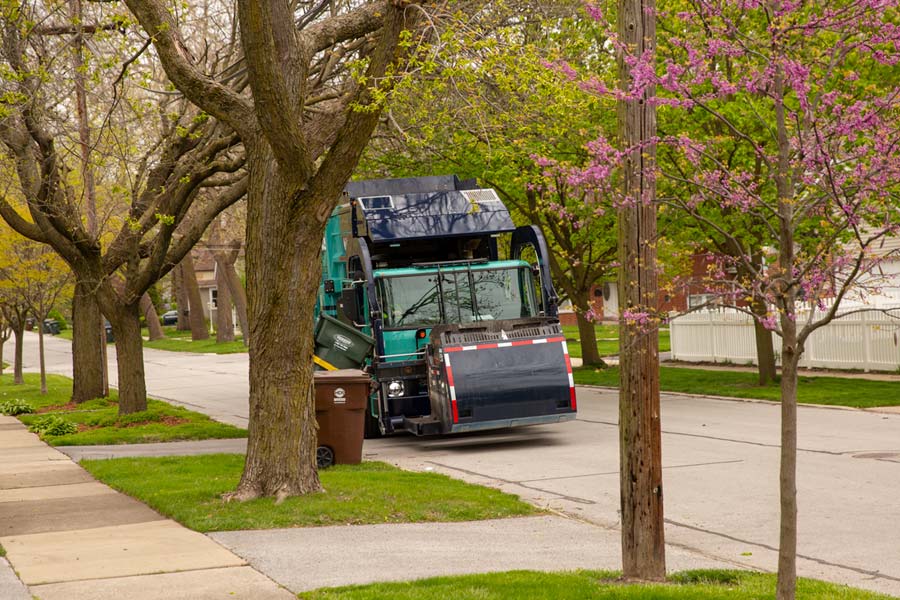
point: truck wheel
(324, 457)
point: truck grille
(476, 337)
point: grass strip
(588, 585)
(180, 341)
(189, 489)
(607, 340)
(831, 391)
(98, 420)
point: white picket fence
(869, 341)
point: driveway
(720, 467)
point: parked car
(170, 318)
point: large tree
(153, 214)
(316, 75)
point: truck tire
(372, 431)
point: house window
(696, 300)
(214, 297)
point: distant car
(170, 318)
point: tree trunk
(126, 323)
(281, 445)
(5, 332)
(19, 332)
(154, 327)
(643, 536)
(237, 293)
(790, 350)
(87, 344)
(40, 320)
(765, 348)
(787, 547)
(590, 355)
(198, 321)
(224, 322)
(181, 298)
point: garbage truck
(459, 338)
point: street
(720, 467)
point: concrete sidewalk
(69, 537)
(87, 563)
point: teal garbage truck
(461, 338)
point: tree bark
(236, 291)
(765, 347)
(790, 352)
(281, 445)
(154, 327)
(643, 536)
(19, 333)
(87, 344)
(197, 320)
(787, 548)
(224, 321)
(590, 355)
(126, 323)
(40, 324)
(181, 298)
(5, 333)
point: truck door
(530, 236)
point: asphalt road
(720, 467)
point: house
(677, 298)
(205, 270)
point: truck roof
(474, 266)
(425, 208)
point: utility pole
(643, 539)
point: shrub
(53, 425)
(15, 407)
(55, 314)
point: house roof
(203, 260)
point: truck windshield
(457, 297)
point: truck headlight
(395, 389)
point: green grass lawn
(834, 391)
(587, 585)
(607, 340)
(98, 420)
(189, 489)
(180, 341)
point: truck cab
(463, 339)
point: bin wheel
(324, 457)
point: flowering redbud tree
(780, 117)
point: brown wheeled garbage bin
(341, 400)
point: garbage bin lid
(342, 375)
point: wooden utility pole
(643, 539)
